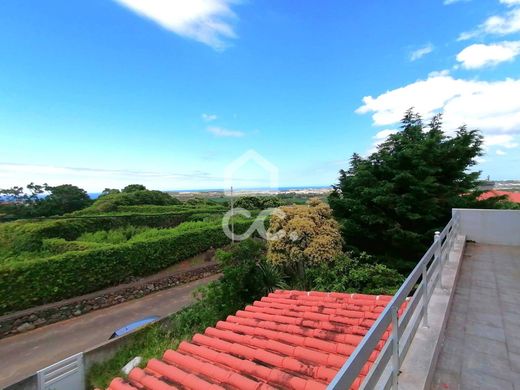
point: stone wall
(29, 319)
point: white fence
(67, 374)
(385, 370)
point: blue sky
(168, 93)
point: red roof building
(287, 340)
(512, 196)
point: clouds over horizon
(493, 107)
(96, 179)
(481, 55)
(206, 21)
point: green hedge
(204, 208)
(23, 236)
(58, 246)
(36, 282)
(111, 202)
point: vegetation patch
(28, 235)
(248, 275)
(245, 278)
(44, 280)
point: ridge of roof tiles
(287, 340)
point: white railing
(385, 370)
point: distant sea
(95, 195)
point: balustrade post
(438, 254)
(426, 323)
(396, 364)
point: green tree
(62, 199)
(108, 191)
(111, 202)
(41, 200)
(134, 187)
(391, 202)
(251, 202)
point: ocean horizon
(95, 195)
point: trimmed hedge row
(152, 209)
(23, 236)
(36, 282)
(58, 246)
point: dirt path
(24, 354)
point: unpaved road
(24, 354)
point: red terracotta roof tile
(512, 196)
(287, 340)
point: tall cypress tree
(390, 203)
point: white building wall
(498, 227)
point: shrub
(115, 236)
(307, 235)
(41, 281)
(111, 201)
(56, 246)
(21, 236)
(257, 202)
(351, 273)
(133, 188)
(246, 276)
(238, 287)
(151, 209)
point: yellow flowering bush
(305, 234)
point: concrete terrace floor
(482, 345)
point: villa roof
(287, 340)
(512, 196)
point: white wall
(499, 227)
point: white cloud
(493, 107)
(504, 140)
(480, 55)
(209, 117)
(206, 21)
(444, 72)
(221, 132)
(510, 2)
(96, 179)
(421, 52)
(383, 134)
(379, 138)
(500, 152)
(448, 2)
(507, 23)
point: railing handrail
(350, 371)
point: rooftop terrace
(482, 344)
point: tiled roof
(512, 196)
(287, 340)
